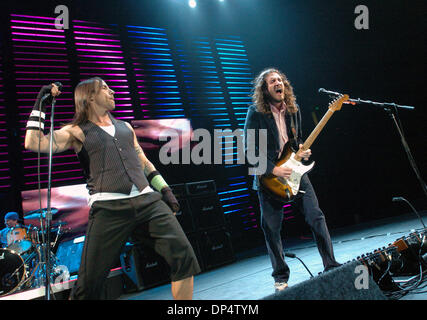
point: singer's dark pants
(271, 223)
(146, 219)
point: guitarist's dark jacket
(259, 120)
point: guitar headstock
(337, 103)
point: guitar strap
(293, 128)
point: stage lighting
(192, 3)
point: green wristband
(158, 182)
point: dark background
(361, 163)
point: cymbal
(35, 214)
(59, 223)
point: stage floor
(249, 277)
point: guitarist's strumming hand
(284, 172)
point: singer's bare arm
(63, 139)
(146, 164)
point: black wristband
(170, 199)
(38, 114)
(152, 175)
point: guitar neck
(313, 135)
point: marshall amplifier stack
(202, 219)
(210, 237)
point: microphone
(396, 199)
(322, 90)
(58, 84)
(334, 94)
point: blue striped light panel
(159, 96)
(216, 78)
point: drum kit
(22, 261)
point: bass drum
(12, 271)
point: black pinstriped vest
(110, 164)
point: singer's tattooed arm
(147, 166)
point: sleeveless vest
(110, 164)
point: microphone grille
(59, 85)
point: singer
(275, 109)
(120, 180)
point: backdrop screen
(152, 134)
(71, 205)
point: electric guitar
(287, 189)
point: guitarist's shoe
(280, 286)
(333, 266)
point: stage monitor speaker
(113, 286)
(207, 212)
(69, 254)
(342, 283)
(216, 248)
(143, 268)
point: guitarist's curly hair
(260, 95)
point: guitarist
(274, 109)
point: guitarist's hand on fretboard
(304, 154)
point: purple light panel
(5, 179)
(99, 53)
(40, 57)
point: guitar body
(282, 189)
(286, 190)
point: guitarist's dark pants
(271, 223)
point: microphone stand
(48, 217)
(391, 109)
(388, 109)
